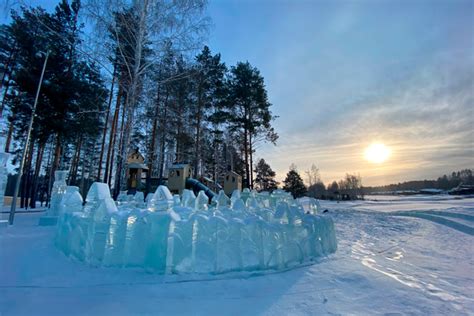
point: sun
(377, 153)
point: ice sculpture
(162, 200)
(57, 193)
(149, 196)
(221, 200)
(181, 235)
(122, 198)
(139, 199)
(97, 192)
(188, 199)
(201, 202)
(71, 201)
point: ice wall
(248, 232)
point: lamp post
(28, 136)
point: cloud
(344, 74)
(427, 119)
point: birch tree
(139, 38)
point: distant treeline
(446, 182)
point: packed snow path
(384, 264)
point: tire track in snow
(440, 219)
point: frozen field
(396, 256)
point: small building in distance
(177, 176)
(136, 171)
(232, 181)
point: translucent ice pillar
(162, 200)
(71, 204)
(98, 231)
(97, 192)
(71, 201)
(57, 193)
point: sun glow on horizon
(377, 153)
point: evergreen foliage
(249, 114)
(293, 183)
(72, 91)
(173, 106)
(265, 177)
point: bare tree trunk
(82, 188)
(246, 147)
(251, 161)
(26, 174)
(133, 91)
(109, 180)
(197, 149)
(39, 161)
(5, 97)
(246, 154)
(57, 153)
(179, 132)
(118, 170)
(163, 138)
(9, 137)
(112, 136)
(49, 165)
(75, 162)
(151, 159)
(104, 132)
(55, 164)
(162, 157)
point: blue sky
(344, 74)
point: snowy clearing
(397, 256)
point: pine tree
(72, 92)
(265, 177)
(294, 184)
(208, 86)
(8, 55)
(163, 100)
(333, 187)
(181, 111)
(250, 114)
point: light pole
(28, 136)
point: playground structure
(180, 177)
(232, 182)
(135, 169)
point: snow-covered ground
(396, 256)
